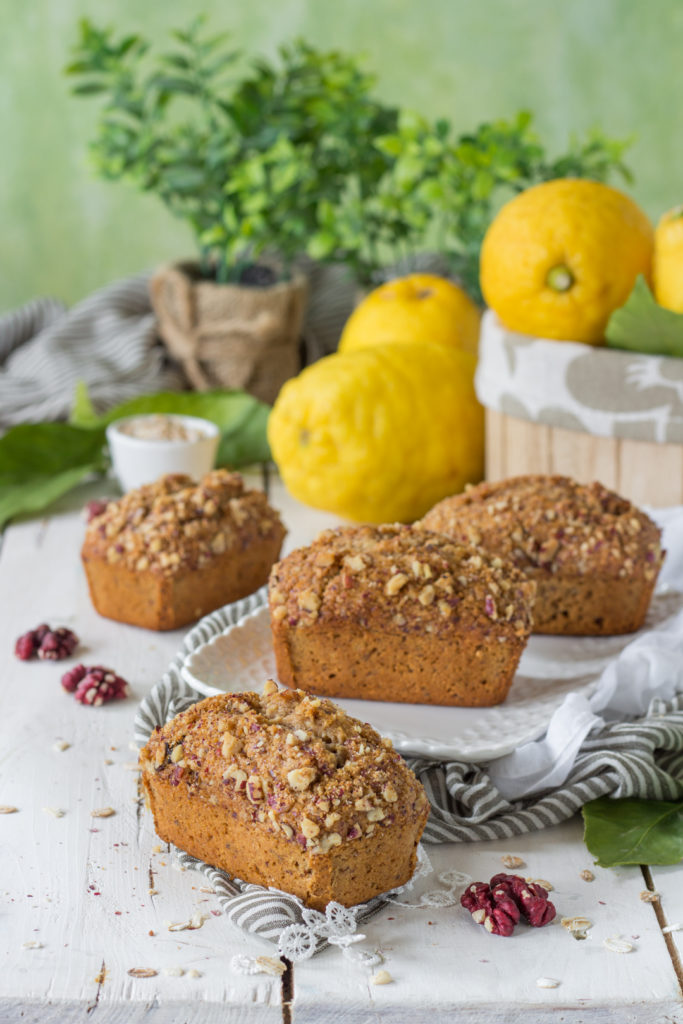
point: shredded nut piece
(578, 926)
(142, 972)
(8, 809)
(618, 945)
(547, 982)
(649, 897)
(381, 978)
(56, 812)
(509, 860)
(548, 886)
(61, 745)
(102, 812)
(587, 875)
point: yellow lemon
(668, 260)
(380, 434)
(419, 307)
(560, 257)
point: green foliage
(634, 831)
(641, 325)
(441, 190)
(245, 160)
(295, 156)
(39, 462)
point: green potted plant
(249, 159)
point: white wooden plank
(79, 885)
(445, 966)
(445, 969)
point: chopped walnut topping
(395, 583)
(177, 753)
(177, 524)
(354, 563)
(309, 828)
(309, 601)
(426, 595)
(301, 778)
(389, 793)
(269, 687)
(231, 745)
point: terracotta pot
(228, 335)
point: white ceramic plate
(241, 658)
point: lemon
(559, 258)
(380, 434)
(419, 307)
(668, 260)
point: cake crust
(166, 554)
(394, 613)
(286, 790)
(593, 555)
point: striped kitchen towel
(109, 341)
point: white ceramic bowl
(139, 461)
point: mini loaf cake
(286, 790)
(594, 556)
(398, 614)
(168, 553)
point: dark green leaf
(41, 461)
(634, 831)
(641, 325)
(40, 491)
(89, 88)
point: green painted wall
(617, 63)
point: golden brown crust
(580, 538)
(290, 776)
(396, 613)
(169, 552)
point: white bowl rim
(208, 428)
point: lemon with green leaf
(560, 257)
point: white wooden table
(84, 899)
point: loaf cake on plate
(283, 789)
(166, 554)
(395, 613)
(593, 555)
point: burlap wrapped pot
(229, 335)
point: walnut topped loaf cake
(166, 554)
(396, 613)
(286, 790)
(593, 555)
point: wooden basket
(644, 472)
(525, 384)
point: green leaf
(82, 410)
(641, 325)
(241, 417)
(634, 831)
(36, 493)
(41, 461)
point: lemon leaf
(641, 325)
(631, 831)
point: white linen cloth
(648, 668)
